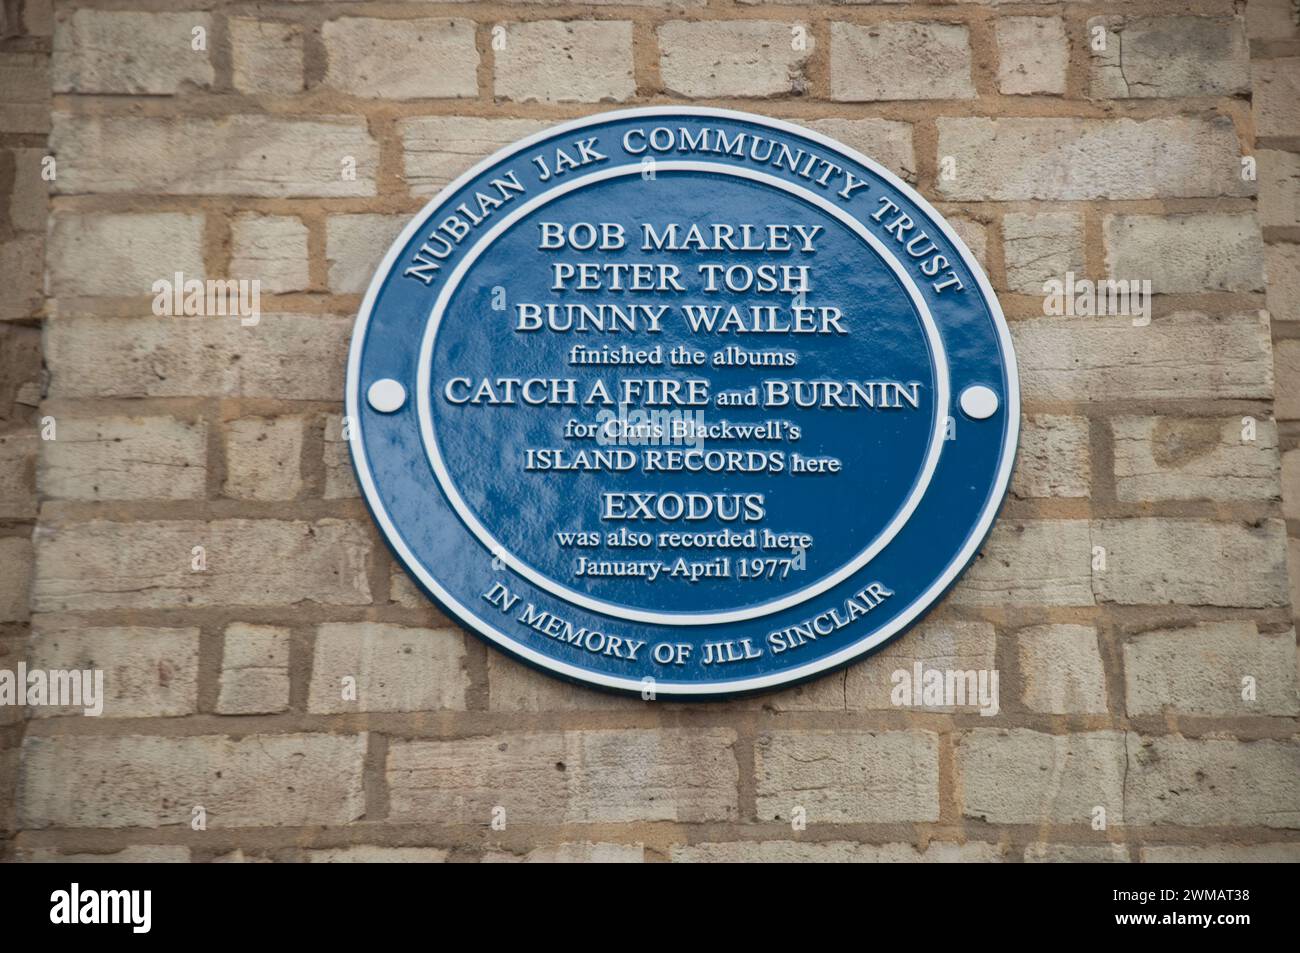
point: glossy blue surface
(499, 566)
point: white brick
(742, 58)
(513, 686)
(340, 476)
(1040, 853)
(1192, 562)
(1279, 188)
(1033, 54)
(1048, 158)
(18, 455)
(254, 670)
(148, 673)
(355, 245)
(1275, 96)
(1184, 355)
(938, 644)
(572, 777)
(1054, 458)
(1286, 357)
(137, 781)
(16, 580)
(25, 78)
(237, 856)
(271, 249)
(401, 59)
(673, 4)
(833, 852)
(1042, 245)
(1060, 669)
(30, 196)
(1285, 853)
(1271, 19)
(22, 266)
(1032, 563)
(135, 854)
(438, 149)
(846, 777)
(102, 51)
(263, 156)
(263, 458)
(1170, 56)
(403, 590)
(1293, 557)
(1291, 484)
(1186, 253)
(824, 693)
(886, 141)
(1194, 458)
(900, 60)
(266, 57)
(1198, 670)
(976, 236)
(1282, 267)
(551, 61)
(122, 254)
(394, 668)
(124, 458)
(1191, 782)
(286, 356)
(377, 855)
(1018, 776)
(583, 853)
(146, 565)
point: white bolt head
(979, 402)
(386, 395)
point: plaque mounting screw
(979, 402)
(386, 395)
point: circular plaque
(682, 402)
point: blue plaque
(683, 402)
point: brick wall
(24, 123)
(1120, 686)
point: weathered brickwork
(178, 510)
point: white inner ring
(494, 546)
